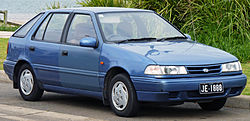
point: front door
(79, 65)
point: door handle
(32, 48)
(64, 53)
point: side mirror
(88, 42)
(188, 36)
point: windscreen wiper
(137, 39)
(171, 38)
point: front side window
(136, 25)
(25, 29)
(52, 27)
(80, 27)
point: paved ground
(5, 34)
(66, 107)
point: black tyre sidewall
(132, 106)
(36, 92)
(214, 105)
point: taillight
(8, 47)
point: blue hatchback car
(121, 56)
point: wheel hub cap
(26, 82)
(119, 95)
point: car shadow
(147, 111)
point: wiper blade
(171, 38)
(137, 39)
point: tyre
(214, 105)
(122, 96)
(28, 85)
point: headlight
(229, 67)
(165, 70)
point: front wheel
(214, 105)
(122, 96)
(28, 85)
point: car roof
(104, 9)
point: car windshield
(136, 26)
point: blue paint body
(81, 72)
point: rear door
(44, 48)
(79, 65)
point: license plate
(210, 88)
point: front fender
(133, 63)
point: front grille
(204, 69)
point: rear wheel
(122, 96)
(214, 105)
(28, 85)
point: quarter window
(80, 27)
(25, 29)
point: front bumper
(185, 89)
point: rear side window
(25, 28)
(52, 27)
(40, 32)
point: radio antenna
(192, 22)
